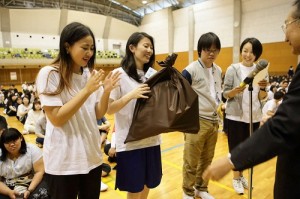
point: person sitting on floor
(40, 130)
(33, 116)
(25, 178)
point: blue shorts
(138, 168)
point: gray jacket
(197, 75)
(233, 79)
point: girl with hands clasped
(237, 109)
(74, 96)
(139, 162)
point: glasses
(284, 26)
(209, 51)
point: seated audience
(40, 130)
(33, 115)
(110, 148)
(12, 105)
(3, 124)
(271, 92)
(271, 106)
(2, 99)
(103, 126)
(23, 109)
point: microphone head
(262, 64)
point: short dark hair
(272, 87)
(206, 41)
(256, 47)
(8, 135)
(278, 95)
(34, 103)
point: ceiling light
(144, 2)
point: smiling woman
(72, 96)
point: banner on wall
(13, 76)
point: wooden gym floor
(170, 187)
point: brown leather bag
(172, 105)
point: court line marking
(111, 183)
(180, 168)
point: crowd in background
(25, 104)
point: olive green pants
(198, 153)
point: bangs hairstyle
(72, 33)
(34, 103)
(128, 62)
(206, 41)
(27, 97)
(278, 95)
(9, 135)
(256, 47)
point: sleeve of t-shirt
(113, 140)
(116, 93)
(36, 152)
(187, 75)
(47, 82)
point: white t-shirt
(23, 165)
(33, 117)
(256, 106)
(270, 106)
(123, 118)
(22, 109)
(73, 148)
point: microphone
(261, 64)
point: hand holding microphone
(261, 64)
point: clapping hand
(95, 81)
(111, 81)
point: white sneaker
(244, 182)
(104, 187)
(203, 195)
(237, 185)
(184, 196)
